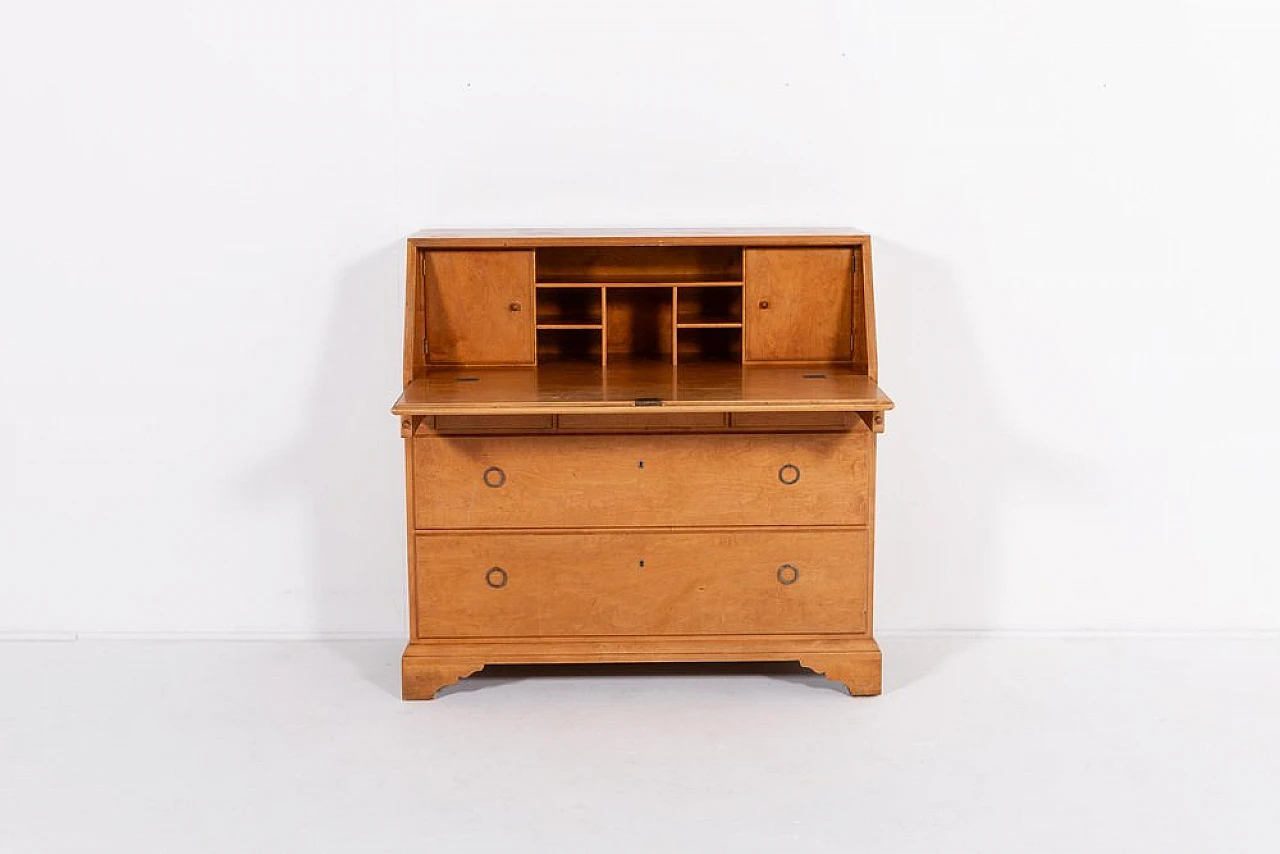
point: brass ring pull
(494, 477)
(788, 573)
(496, 577)
(789, 474)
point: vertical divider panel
(537, 308)
(604, 326)
(675, 324)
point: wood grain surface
(641, 582)
(654, 480)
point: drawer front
(640, 480)
(794, 420)
(493, 423)
(641, 583)
(633, 422)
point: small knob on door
(515, 306)
(764, 303)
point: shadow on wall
(346, 466)
(951, 466)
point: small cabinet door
(479, 307)
(798, 305)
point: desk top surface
(531, 237)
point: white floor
(1028, 746)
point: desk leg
(859, 671)
(422, 677)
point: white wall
(203, 208)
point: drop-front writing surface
(640, 446)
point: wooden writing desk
(640, 446)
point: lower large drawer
(477, 584)
(641, 480)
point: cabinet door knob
(494, 477)
(788, 573)
(764, 303)
(789, 474)
(515, 306)
(496, 577)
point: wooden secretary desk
(640, 446)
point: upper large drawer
(644, 480)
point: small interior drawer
(642, 420)
(493, 423)
(793, 420)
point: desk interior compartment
(638, 264)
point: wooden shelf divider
(697, 324)
(641, 284)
